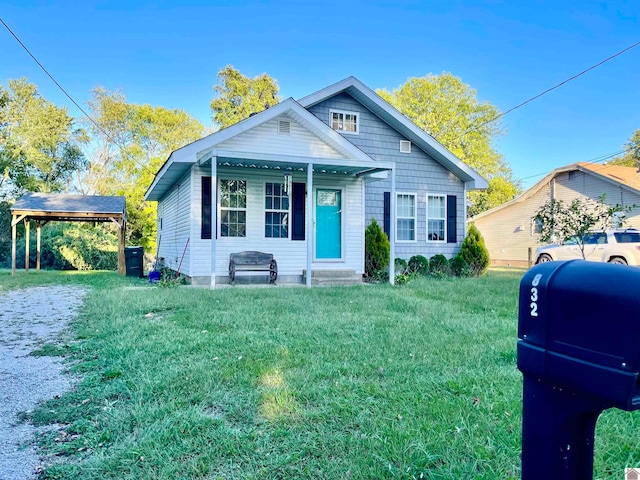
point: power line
(109, 137)
(550, 89)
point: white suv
(620, 246)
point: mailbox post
(579, 352)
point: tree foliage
(238, 96)
(448, 109)
(128, 150)
(39, 143)
(631, 156)
(561, 221)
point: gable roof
(180, 161)
(396, 120)
(627, 178)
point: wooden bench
(252, 262)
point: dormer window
(345, 122)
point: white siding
(291, 255)
(173, 225)
(266, 139)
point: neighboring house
(510, 230)
(244, 188)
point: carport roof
(54, 206)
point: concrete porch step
(333, 277)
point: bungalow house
(302, 180)
(510, 229)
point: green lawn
(418, 381)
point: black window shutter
(451, 219)
(205, 231)
(387, 214)
(298, 203)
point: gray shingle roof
(63, 203)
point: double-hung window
(436, 218)
(406, 217)
(347, 122)
(276, 211)
(233, 208)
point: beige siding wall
(174, 225)
(508, 232)
(291, 255)
(266, 139)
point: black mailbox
(579, 352)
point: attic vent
(284, 126)
(405, 146)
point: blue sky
(168, 53)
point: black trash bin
(133, 260)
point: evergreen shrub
(475, 252)
(418, 265)
(376, 252)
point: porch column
(38, 234)
(27, 240)
(214, 218)
(392, 229)
(14, 222)
(464, 215)
(310, 233)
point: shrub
(418, 265)
(376, 252)
(474, 251)
(439, 266)
(459, 266)
(401, 266)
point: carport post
(38, 233)
(27, 240)
(13, 244)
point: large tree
(631, 156)
(128, 149)
(238, 96)
(448, 109)
(39, 143)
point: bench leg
(232, 273)
(273, 272)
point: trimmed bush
(401, 266)
(474, 251)
(439, 266)
(459, 267)
(376, 252)
(418, 265)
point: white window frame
(344, 113)
(276, 210)
(414, 218)
(232, 209)
(444, 219)
(535, 226)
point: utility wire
(475, 127)
(98, 126)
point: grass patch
(418, 381)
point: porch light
(287, 183)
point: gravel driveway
(29, 318)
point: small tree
(376, 251)
(475, 252)
(561, 221)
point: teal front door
(328, 223)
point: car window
(627, 237)
(570, 241)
